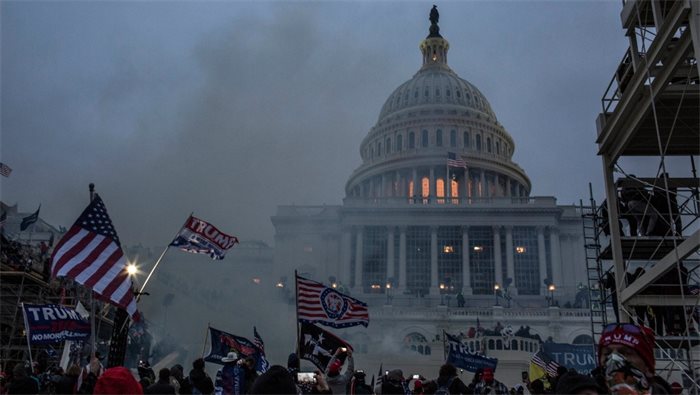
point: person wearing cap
(117, 380)
(577, 384)
(489, 385)
(626, 359)
(337, 381)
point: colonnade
(400, 284)
(409, 184)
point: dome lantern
(434, 47)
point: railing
(618, 83)
(541, 201)
(387, 312)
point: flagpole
(296, 302)
(29, 345)
(206, 336)
(138, 297)
(91, 188)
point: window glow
(448, 249)
(440, 188)
(410, 188)
(454, 189)
(520, 249)
(478, 248)
(426, 187)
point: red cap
(641, 339)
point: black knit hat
(572, 383)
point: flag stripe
(108, 265)
(72, 257)
(91, 260)
(311, 308)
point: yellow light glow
(280, 285)
(131, 269)
(334, 285)
(375, 286)
(478, 248)
(551, 287)
(448, 249)
(256, 280)
(520, 249)
(442, 286)
(388, 285)
(496, 287)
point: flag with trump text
(201, 237)
(90, 253)
(459, 355)
(223, 342)
(317, 303)
(319, 346)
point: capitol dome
(432, 128)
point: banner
(52, 323)
(317, 303)
(319, 346)
(573, 356)
(202, 237)
(222, 343)
(460, 356)
(72, 349)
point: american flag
(90, 253)
(317, 303)
(455, 161)
(258, 341)
(5, 170)
(545, 362)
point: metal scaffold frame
(651, 109)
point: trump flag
(201, 237)
(317, 303)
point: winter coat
(456, 387)
(200, 381)
(161, 387)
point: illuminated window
(440, 188)
(520, 249)
(410, 188)
(425, 184)
(454, 189)
(448, 249)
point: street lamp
(388, 292)
(551, 288)
(496, 287)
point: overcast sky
(229, 109)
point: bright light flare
(132, 269)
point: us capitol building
(413, 233)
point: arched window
(488, 144)
(416, 342)
(492, 345)
(454, 189)
(440, 186)
(478, 142)
(438, 138)
(411, 140)
(411, 189)
(388, 146)
(583, 339)
(499, 344)
(424, 138)
(466, 140)
(453, 138)
(399, 143)
(425, 187)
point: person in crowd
(198, 381)
(69, 381)
(418, 387)
(146, 375)
(489, 384)
(230, 379)
(249, 364)
(21, 383)
(117, 380)
(577, 384)
(561, 370)
(448, 382)
(162, 386)
(276, 380)
(177, 378)
(392, 383)
(478, 375)
(537, 387)
(460, 299)
(358, 385)
(626, 359)
(321, 386)
(337, 381)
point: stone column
(402, 259)
(497, 185)
(508, 192)
(510, 264)
(542, 255)
(415, 183)
(466, 267)
(432, 193)
(482, 182)
(448, 186)
(396, 186)
(434, 290)
(555, 253)
(382, 192)
(467, 195)
(371, 187)
(390, 254)
(359, 289)
(498, 265)
(346, 244)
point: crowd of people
(626, 365)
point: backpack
(445, 389)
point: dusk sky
(229, 109)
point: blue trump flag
(459, 355)
(222, 343)
(52, 323)
(574, 356)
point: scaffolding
(651, 117)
